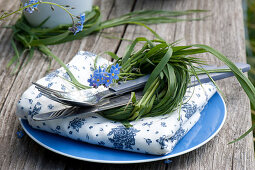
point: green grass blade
(113, 55)
(46, 51)
(243, 80)
(159, 68)
(243, 135)
(50, 40)
(15, 58)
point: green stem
(146, 97)
(154, 87)
(46, 51)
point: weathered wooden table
(223, 30)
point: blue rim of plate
(211, 121)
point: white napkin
(156, 135)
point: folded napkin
(155, 135)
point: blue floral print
(148, 141)
(123, 137)
(189, 109)
(178, 135)
(36, 109)
(162, 142)
(76, 124)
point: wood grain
(223, 30)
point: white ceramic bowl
(58, 16)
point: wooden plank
(19, 154)
(223, 30)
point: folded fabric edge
(181, 132)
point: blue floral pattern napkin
(155, 135)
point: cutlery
(111, 103)
(117, 101)
(92, 97)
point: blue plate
(211, 121)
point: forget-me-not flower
(20, 134)
(79, 25)
(102, 77)
(31, 8)
(115, 71)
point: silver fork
(89, 97)
(112, 103)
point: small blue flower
(91, 80)
(107, 81)
(76, 124)
(168, 161)
(20, 134)
(115, 71)
(97, 80)
(31, 8)
(116, 67)
(79, 25)
(102, 77)
(82, 18)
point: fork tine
(45, 91)
(51, 92)
(58, 114)
(68, 112)
(53, 115)
(46, 88)
(61, 97)
(63, 113)
(57, 99)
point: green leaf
(114, 56)
(243, 135)
(46, 51)
(50, 40)
(243, 80)
(131, 48)
(15, 58)
(159, 68)
(30, 55)
(43, 22)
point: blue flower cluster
(79, 25)
(20, 134)
(102, 77)
(31, 8)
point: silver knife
(133, 84)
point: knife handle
(203, 78)
(131, 85)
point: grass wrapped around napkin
(151, 135)
(170, 67)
